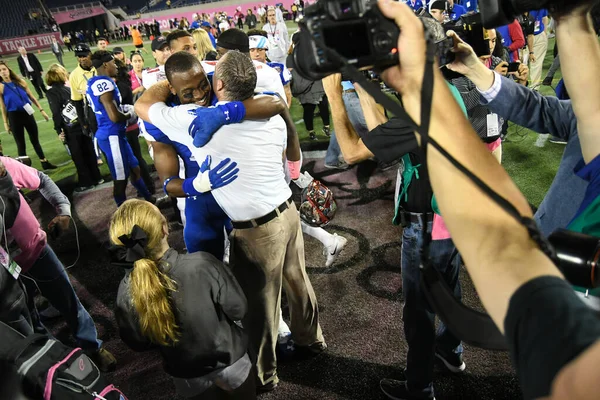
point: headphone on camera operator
(336, 37)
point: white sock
(283, 329)
(318, 233)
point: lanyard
(14, 89)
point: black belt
(416, 217)
(253, 223)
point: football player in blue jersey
(104, 97)
(205, 223)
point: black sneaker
(397, 390)
(48, 165)
(557, 140)
(304, 352)
(452, 361)
(81, 189)
(269, 387)
(327, 131)
(312, 135)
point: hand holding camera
(502, 68)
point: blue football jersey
(97, 86)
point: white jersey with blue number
(97, 86)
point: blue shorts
(119, 156)
(204, 223)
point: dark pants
(59, 58)
(309, 113)
(419, 324)
(38, 84)
(84, 158)
(18, 122)
(134, 142)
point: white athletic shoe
(334, 249)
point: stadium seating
(13, 21)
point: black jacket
(33, 61)
(208, 304)
(58, 96)
(13, 301)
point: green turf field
(531, 167)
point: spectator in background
(437, 9)
(102, 43)
(311, 94)
(512, 39)
(262, 13)
(279, 14)
(67, 42)
(196, 22)
(540, 46)
(207, 27)
(251, 20)
(125, 84)
(415, 4)
(138, 42)
(66, 126)
(57, 50)
(455, 11)
(168, 3)
(135, 75)
(239, 18)
(30, 68)
(206, 51)
(120, 55)
(17, 113)
(279, 40)
(192, 314)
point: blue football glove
(223, 174)
(209, 119)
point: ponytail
(137, 229)
(150, 291)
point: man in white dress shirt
(267, 248)
(279, 40)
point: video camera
(358, 31)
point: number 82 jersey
(97, 86)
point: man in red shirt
(512, 38)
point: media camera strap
(471, 326)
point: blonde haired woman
(69, 130)
(206, 51)
(187, 305)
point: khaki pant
(264, 258)
(540, 46)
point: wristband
(166, 182)
(233, 111)
(198, 185)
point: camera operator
(552, 335)
(542, 114)
(487, 124)
(391, 141)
